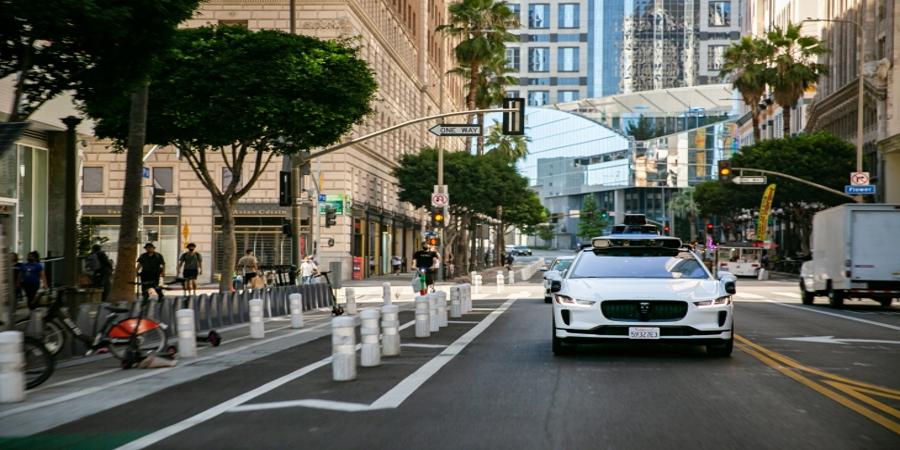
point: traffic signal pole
(797, 179)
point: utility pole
(298, 163)
(70, 252)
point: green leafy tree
(793, 67)
(746, 65)
(683, 204)
(642, 130)
(278, 93)
(511, 147)
(482, 30)
(591, 222)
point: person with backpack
(100, 268)
(193, 266)
(32, 278)
(151, 266)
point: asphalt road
(490, 381)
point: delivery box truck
(855, 255)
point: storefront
(377, 237)
(102, 224)
(258, 228)
(24, 199)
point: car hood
(641, 289)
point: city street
(801, 377)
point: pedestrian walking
(396, 262)
(308, 270)
(193, 267)
(151, 266)
(248, 266)
(32, 278)
(100, 269)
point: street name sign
(146, 172)
(859, 190)
(440, 200)
(859, 178)
(749, 180)
(460, 129)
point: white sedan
(642, 288)
(555, 272)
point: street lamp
(860, 103)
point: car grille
(650, 311)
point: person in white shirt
(308, 270)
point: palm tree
(482, 27)
(793, 67)
(510, 147)
(682, 203)
(745, 64)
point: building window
(538, 98)
(539, 59)
(539, 81)
(512, 94)
(715, 57)
(515, 8)
(512, 59)
(720, 13)
(569, 15)
(566, 96)
(163, 177)
(568, 81)
(576, 37)
(568, 59)
(539, 15)
(92, 180)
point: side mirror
(544, 269)
(729, 287)
(555, 286)
(728, 281)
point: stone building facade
(397, 39)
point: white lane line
(463, 321)
(154, 372)
(424, 345)
(221, 408)
(410, 384)
(840, 316)
(307, 403)
(787, 294)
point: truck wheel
(806, 297)
(885, 301)
(835, 298)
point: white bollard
(477, 283)
(423, 329)
(511, 279)
(296, 310)
(349, 301)
(455, 303)
(433, 324)
(442, 308)
(386, 293)
(390, 328)
(257, 328)
(187, 334)
(763, 275)
(370, 355)
(499, 282)
(343, 348)
(12, 367)
(467, 298)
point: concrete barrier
(187, 334)
(499, 282)
(12, 367)
(370, 333)
(390, 329)
(433, 324)
(343, 348)
(349, 301)
(455, 302)
(257, 328)
(441, 308)
(386, 293)
(296, 310)
(423, 329)
(476, 283)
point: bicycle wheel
(39, 362)
(53, 334)
(150, 341)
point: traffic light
(514, 121)
(709, 228)
(666, 229)
(284, 188)
(158, 202)
(330, 216)
(433, 241)
(604, 215)
(286, 227)
(438, 218)
(725, 171)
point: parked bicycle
(39, 363)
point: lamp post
(860, 102)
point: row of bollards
(431, 313)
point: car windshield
(680, 266)
(562, 264)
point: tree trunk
(479, 145)
(229, 242)
(131, 198)
(693, 224)
(754, 116)
(470, 102)
(786, 116)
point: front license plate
(643, 333)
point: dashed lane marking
(424, 345)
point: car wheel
(548, 299)
(721, 350)
(806, 297)
(835, 298)
(559, 346)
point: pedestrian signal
(158, 203)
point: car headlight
(721, 301)
(566, 300)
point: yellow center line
(786, 365)
(851, 391)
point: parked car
(555, 272)
(521, 250)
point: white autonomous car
(642, 287)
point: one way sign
(447, 129)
